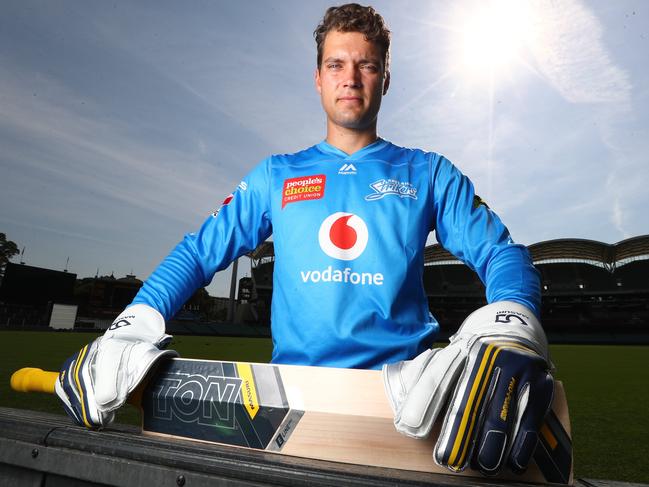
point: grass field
(607, 388)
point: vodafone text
(346, 275)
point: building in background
(27, 294)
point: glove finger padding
(119, 367)
(416, 408)
(488, 404)
(75, 389)
(495, 380)
(96, 381)
(533, 406)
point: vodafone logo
(343, 236)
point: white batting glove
(96, 381)
(494, 381)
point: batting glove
(494, 382)
(96, 381)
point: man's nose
(353, 77)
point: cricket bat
(339, 415)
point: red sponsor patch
(226, 202)
(303, 189)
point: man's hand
(96, 381)
(494, 382)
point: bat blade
(323, 413)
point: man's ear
(386, 82)
(318, 83)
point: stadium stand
(591, 291)
(27, 294)
(595, 288)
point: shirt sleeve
(239, 226)
(470, 230)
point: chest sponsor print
(305, 188)
(344, 237)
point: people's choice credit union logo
(343, 236)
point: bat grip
(31, 379)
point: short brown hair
(353, 17)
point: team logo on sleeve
(242, 186)
(304, 188)
(343, 236)
(226, 202)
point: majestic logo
(303, 189)
(386, 187)
(343, 236)
(347, 169)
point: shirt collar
(327, 148)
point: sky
(123, 125)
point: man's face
(351, 80)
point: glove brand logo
(121, 323)
(343, 236)
(508, 316)
(504, 411)
(196, 399)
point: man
(350, 217)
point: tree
(7, 250)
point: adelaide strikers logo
(343, 236)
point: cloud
(572, 57)
(83, 150)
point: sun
(492, 38)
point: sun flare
(493, 37)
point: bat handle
(31, 379)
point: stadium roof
(577, 250)
(560, 250)
(568, 250)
